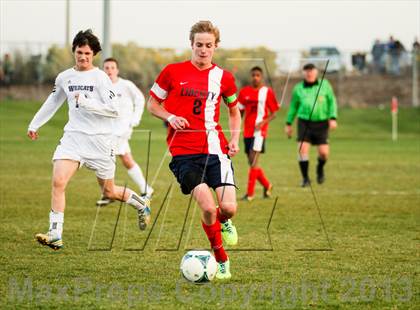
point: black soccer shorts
(315, 133)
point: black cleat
(247, 198)
(267, 193)
(320, 179)
(305, 183)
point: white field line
(329, 191)
(285, 189)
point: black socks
(320, 167)
(304, 165)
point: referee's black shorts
(315, 133)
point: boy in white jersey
(131, 107)
(88, 135)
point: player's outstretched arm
(139, 102)
(97, 106)
(156, 109)
(293, 108)
(332, 107)
(47, 110)
(294, 105)
(106, 106)
(234, 127)
(270, 117)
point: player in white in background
(88, 135)
(131, 107)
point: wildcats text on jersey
(80, 87)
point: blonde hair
(204, 26)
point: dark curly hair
(256, 68)
(86, 38)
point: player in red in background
(258, 104)
(187, 95)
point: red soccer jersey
(256, 103)
(195, 95)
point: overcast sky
(280, 25)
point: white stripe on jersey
(158, 91)
(214, 83)
(213, 141)
(262, 98)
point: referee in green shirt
(312, 127)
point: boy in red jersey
(187, 95)
(259, 105)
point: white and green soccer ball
(198, 266)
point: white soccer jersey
(130, 105)
(98, 106)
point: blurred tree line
(139, 64)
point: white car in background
(319, 55)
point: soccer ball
(198, 266)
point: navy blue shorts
(192, 170)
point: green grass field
(370, 205)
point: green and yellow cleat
(48, 240)
(229, 233)
(223, 270)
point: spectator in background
(416, 53)
(378, 51)
(395, 50)
(416, 45)
(1, 73)
(358, 61)
(7, 70)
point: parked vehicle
(320, 54)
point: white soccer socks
(56, 224)
(137, 176)
(136, 201)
